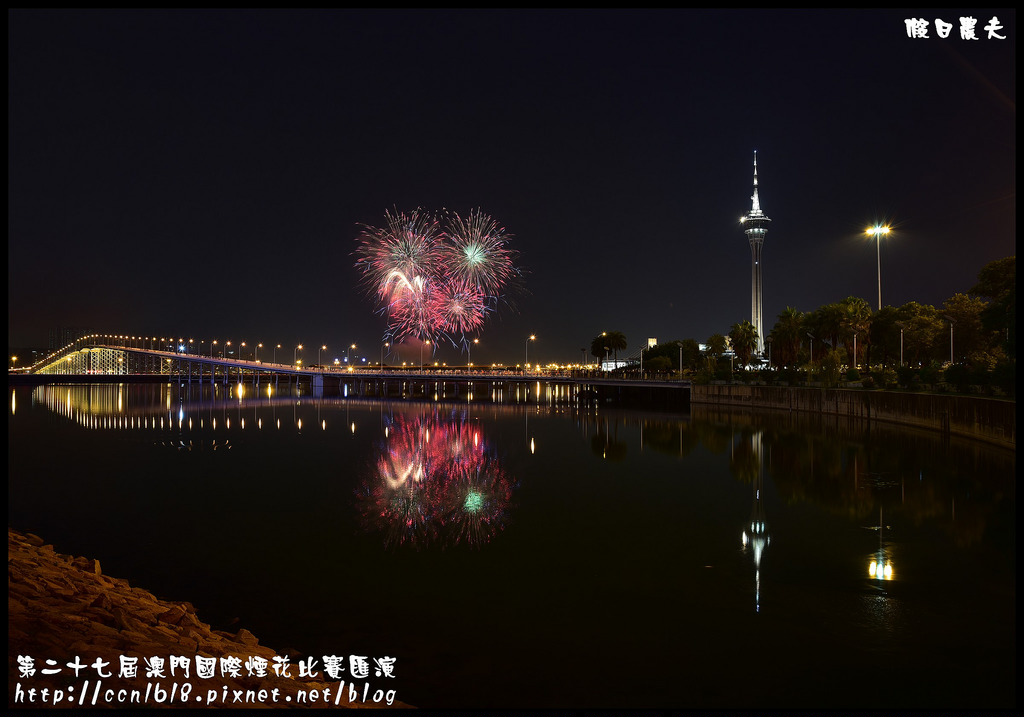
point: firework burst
(477, 253)
(436, 281)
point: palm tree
(787, 336)
(716, 345)
(857, 319)
(744, 340)
(616, 341)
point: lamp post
(877, 232)
(347, 356)
(295, 352)
(256, 352)
(812, 346)
(318, 352)
(241, 353)
(902, 326)
(469, 354)
(386, 345)
(212, 344)
(951, 322)
(275, 352)
(226, 344)
(527, 361)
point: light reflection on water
(644, 553)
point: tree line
(967, 340)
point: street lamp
(877, 232)
(527, 361)
(226, 344)
(902, 326)
(275, 352)
(384, 346)
(347, 357)
(318, 351)
(812, 346)
(241, 353)
(295, 352)
(469, 354)
(951, 322)
(212, 344)
(256, 353)
(421, 352)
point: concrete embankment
(984, 419)
(63, 610)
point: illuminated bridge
(111, 359)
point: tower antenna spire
(755, 207)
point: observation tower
(755, 225)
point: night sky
(206, 173)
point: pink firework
(407, 248)
(458, 308)
(435, 282)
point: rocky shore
(63, 609)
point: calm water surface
(540, 554)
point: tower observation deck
(755, 226)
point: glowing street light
(347, 356)
(256, 352)
(421, 353)
(275, 352)
(226, 344)
(386, 345)
(212, 344)
(877, 232)
(469, 354)
(527, 361)
(295, 359)
(318, 351)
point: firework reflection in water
(436, 281)
(437, 481)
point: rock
(247, 638)
(172, 616)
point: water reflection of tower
(755, 536)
